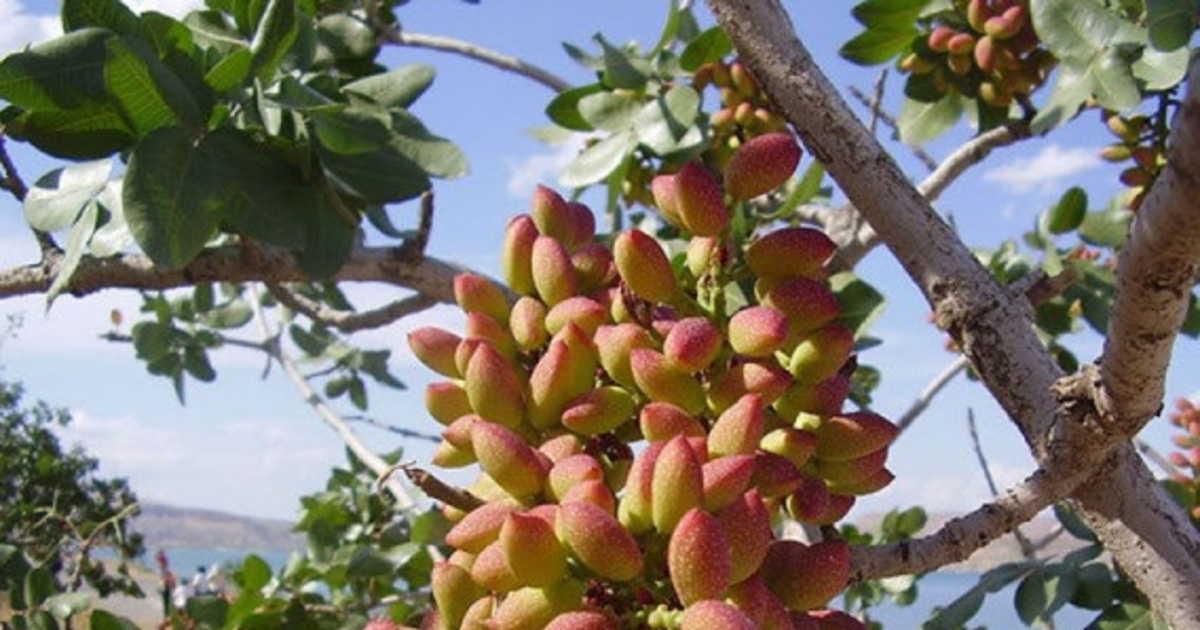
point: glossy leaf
(148, 94)
(379, 176)
(1080, 29)
(668, 123)
(273, 37)
(598, 160)
(1068, 213)
(1170, 23)
(64, 605)
(620, 69)
(877, 45)
(435, 155)
(76, 246)
(104, 620)
(1158, 70)
(55, 200)
(710, 46)
(108, 14)
(231, 71)
(396, 88)
(921, 122)
(564, 108)
(888, 13)
(346, 37)
(608, 111)
(861, 304)
(352, 130)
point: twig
(473, 51)
(11, 181)
(1027, 548)
(440, 490)
(878, 114)
(931, 390)
(328, 415)
(877, 100)
(401, 431)
(351, 321)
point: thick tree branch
(478, 53)
(1156, 271)
(428, 276)
(991, 328)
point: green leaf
(230, 316)
(312, 344)
(292, 94)
(1042, 592)
(922, 122)
(1127, 616)
(64, 73)
(668, 123)
(888, 13)
(621, 70)
(878, 45)
(352, 130)
(55, 200)
(1079, 30)
(87, 133)
(328, 236)
(598, 160)
(39, 586)
(153, 341)
(358, 393)
(860, 303)
(369, 562)
(380, 176)
(1158, 70)
(64, 605)
(711, 45)
(254, 573)
(211, 31)
(104, 620)
(77, 243)
(195, 361)
(1107, 228)
(609, 111)
(1073, 524)
(174, 196)
(1170, 23)
(346, 37)
(1071, 90)
(148, 94)
(108, 14)
(564, 108)
(396, 88)
(437, 156)
(230, 72)
(273, 36)
(962, 609)
(1068, 213)
(208, 610)
(1112, 80)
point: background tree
(259, 135)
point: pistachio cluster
(636, 440)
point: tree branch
(351, 321)
(991, 328)
(875, 104)
(397, 266)
(931, 390)
(478, 53)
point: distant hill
(166, 526)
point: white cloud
(22, 28)
(250, 466)
(1045, 170)
(528, 172)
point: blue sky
(250, 445)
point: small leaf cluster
(268, 120)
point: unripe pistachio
(516, 256)
(491, 570)
(563, 373)
(701, 202)
(869, 485)
(583, 224)
(479, 613)
(446, 455)
(662, 421)
(810, 501)
(742, 80)
(739, 429)
(594, 264)
(806, 577)
(493, 387)
(712, 614)
(532, 550)
(853, 435)
(480, 527)
(1007, 24)
(635, 510)
(692, 344)
(599, 411)
(758, 331)
(702, 253)
(752, 597)
(852, 470)
(484, 328)
(453, 591)
(839, 506)
(554, 275)
(527, 323)
(961, 44)
(824, 398)
(725, 479)
(761, 165)
(830, 619)
(477, 294)
(435, 348)
(792, 251)
(677, 485)
(985, 54)
(807, 304)
(552, 216)
(978, 13)
(458, 434)
(446, 401)
(584, 620)
(595, 492)
(666, 196)
(643, 266)
(774, 475)
(768, 380)
(939, 39)
(820, 354)
(698, 558)
(508, 460)
(615, 344)
(796, 445)
(747, 525)
(656, 378)
(584, 312)
(599, 541)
